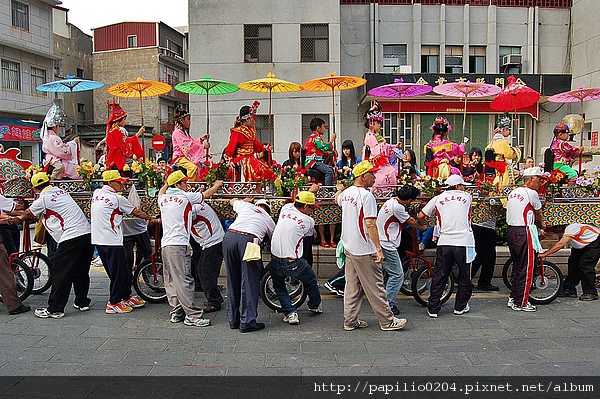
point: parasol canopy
(514, 96)
(139, 88)
(269, 84)
(467, 90)
(333, 82)
(399, 90)
(580, 95)
(71, 84)
(209, 87)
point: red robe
(241, 148)
(121, 147)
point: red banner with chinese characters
(18, 130)
(449, 107)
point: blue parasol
(71, 85)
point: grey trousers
(179, 283)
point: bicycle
(546, 283)
(23, 277)
(148, 278)
(295, 289)
(39, 264)
(419, 271)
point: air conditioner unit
(404, 69)
(512, 59)
(391, 62)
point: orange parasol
(333, 83)
(269, 84)
(139, 88)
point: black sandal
(211, 308)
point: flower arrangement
(292, 179)
(429, 185)
(32, 170)
(589, 182)
(149, 173)
(88, 171)
(217, 173)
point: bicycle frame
(156, 253)
(416, 253)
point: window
(131, 41)
(454, 59)
(394, 55)
(81, 107)
(306, 118)
(171, 76)
(394, 135)
(430, 59)
(314, 43)
(510, 68)
(477, 59)
(80, 73)
(20, 15)
(11, 75)
(174, 47)
(258, 43)
(264, 128)
(38, 77)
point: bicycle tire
(23, 279)
(421, 286)
(406, 287)
(540, 294)
(295, 289)
(149, 286)
(41, 268)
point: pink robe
(387, 175)
(186, 146)
(56, 149)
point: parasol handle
(206, 150)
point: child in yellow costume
(506, 155)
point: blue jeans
(300, 269)
(326, 170)
(393, 274)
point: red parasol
(398, 90)
(514, 96)
(467, 90)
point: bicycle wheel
(23, 279)
(149, 285)
(543, 290)
(406, 287)
(421, 286)
(295, 289)
(40, 266)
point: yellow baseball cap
(305, 197)
(363, 167)
(176, 177)
(39, 178)
(113, 175)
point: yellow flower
(126, 168)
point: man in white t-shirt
(390, 219)
(293, 226)
(208, 233)
(252, 224)
(523, 212)
(363, 252)
(585, 253)
(455, 244)
(68, 226)
(176, 204)
(107, 209)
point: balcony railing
(173, 81)
(499, 3)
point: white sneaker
(177, 317)
(465, 310)
(97, 262)
(291, 318)
(396, 324)
(511, 302)
(432, 315)
(196, 321)
(527, 308)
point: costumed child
(439, 150)
(504, 154)
(119, 145)
(564, 152)
(187, 151)
(377, 151)
(243, 144)
(61, 158)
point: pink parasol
(467, 90)
(398, 90)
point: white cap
(264, 202)
(535, 171)
(454, 180)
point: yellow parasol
(269, 84)
(139, 88)
(333, 83)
